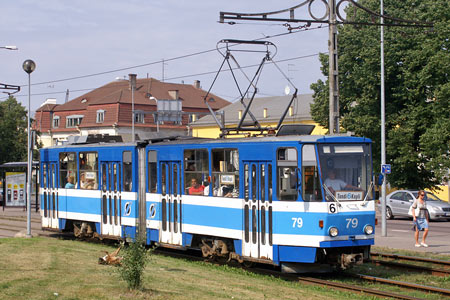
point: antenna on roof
(67, 96)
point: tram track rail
(437, 268)
(355, 288)
(402, 284)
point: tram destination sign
(349, 195)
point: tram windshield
(346, 172)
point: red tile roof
(119, 92)
(115, 99)
(47, 107)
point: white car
(399, 202)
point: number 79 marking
(298, 222)
(352, 222)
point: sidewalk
(438, 241)
(13, 221)
(18, 212)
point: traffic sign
(386, 169)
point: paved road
(14, 221)
(401, 236)
(399, 233)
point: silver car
(398, 203)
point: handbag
(412, 210)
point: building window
(100, 116)
(138, 117)
(56, 122)
(73, 121)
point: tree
(417, 89)
(13, 133)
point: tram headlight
(368, 229)
(333, 231)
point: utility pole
(333, 70)
(383, 131)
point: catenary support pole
(383, 137)
(333, 70)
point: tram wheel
(248, 264)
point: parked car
(398, 203)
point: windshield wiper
(367, 194)
(331, 194)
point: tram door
(49, 200)
(111, 198)
(171, 202)
(257, 239)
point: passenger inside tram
(196, 188)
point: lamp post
(9, 47)
(29, 66)
(133, 87)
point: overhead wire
(178, 77)
(164, 60)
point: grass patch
(47, 268)
(411, 253)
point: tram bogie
(298, 202)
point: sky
(81, 45)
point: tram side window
(196, 171)
(311, 190)
(127, 171)
(88, 170)
(225, 173)
(287, 174)
(68, 170)
(152, 171)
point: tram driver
(335, 184)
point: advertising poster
(15, 188)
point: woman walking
(420, 219)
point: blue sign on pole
(386, 169)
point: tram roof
(287, 138)
(174, 140)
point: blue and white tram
(299, 202)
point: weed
(135, 258)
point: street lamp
(9, 47)
(29, 66)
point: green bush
(135, 258)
